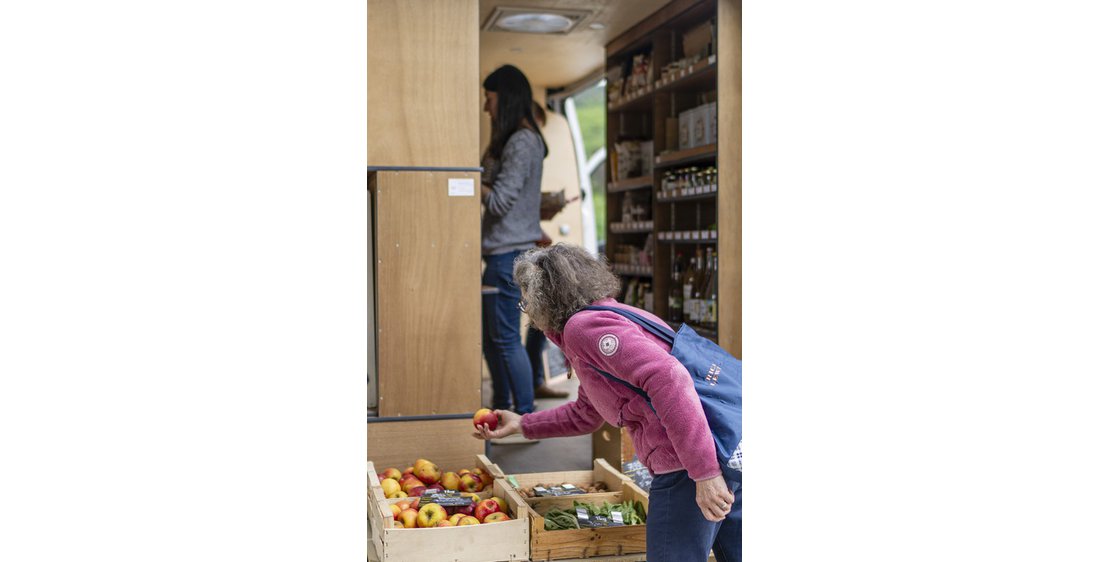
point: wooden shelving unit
(681, 79)
(688, 156)
(631, 184)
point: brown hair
(559, 280)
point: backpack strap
(629, 385)
(665, 334)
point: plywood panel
(422, 83)
(447, 443)
(729, 170)
(371, 347)
(428, 254)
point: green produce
(632, 513)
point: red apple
(444, 523)
(486, 416)
(454, 519)
(389, 487)
(468, 520)
(495, 517)
(417, 492)
(428, 473)
(487, 478)
(470, 483)
(486, 507)
(450, 481)
(436, 486)
(408, 484)
(431, 514)
(408, 518)
(391, 473)
(500, 502)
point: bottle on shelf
(674, 300)
(709, 319)
(626, 209)
(689, 283)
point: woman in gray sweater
(513, 167)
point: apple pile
(425, 475)
(408, 514)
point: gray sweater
(512, 218)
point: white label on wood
(460, 187)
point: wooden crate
(477, 461)
(506, 541)
(586, 543)
(602, 471)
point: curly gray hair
(558, 281)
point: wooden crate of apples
(493, 526)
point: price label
(569, 487)
(617, 517)
(582, 514)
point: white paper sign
(460, 187)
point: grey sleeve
(514, 171)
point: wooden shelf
(682, 198)
(630, 184)
(640, 101)
(640, 227)
(679, 157)
(659, 238)
(701, 76)
(631, 270)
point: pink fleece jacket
(677, 438)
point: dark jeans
(508, 363)
(534, 344)
(678, 532)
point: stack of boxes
(697, 126)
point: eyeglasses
(521, 304)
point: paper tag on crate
(582, 514)
(445, 498)
(618, 518)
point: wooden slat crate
(586, 543)
(602, 472)
(506, 541)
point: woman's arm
(570, 419)
(615, 345)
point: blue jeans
(678, 532)
(508, 363)
(534, 344)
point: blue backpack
(716, 377)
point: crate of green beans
(601, 525)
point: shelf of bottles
(695, 183)
(631, 227)
(693, 294)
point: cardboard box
(686, 129)
(699, 127)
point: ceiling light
(536, 23)
(597, 25)
(532, 20)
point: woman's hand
(714, 499)
(509, 424)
